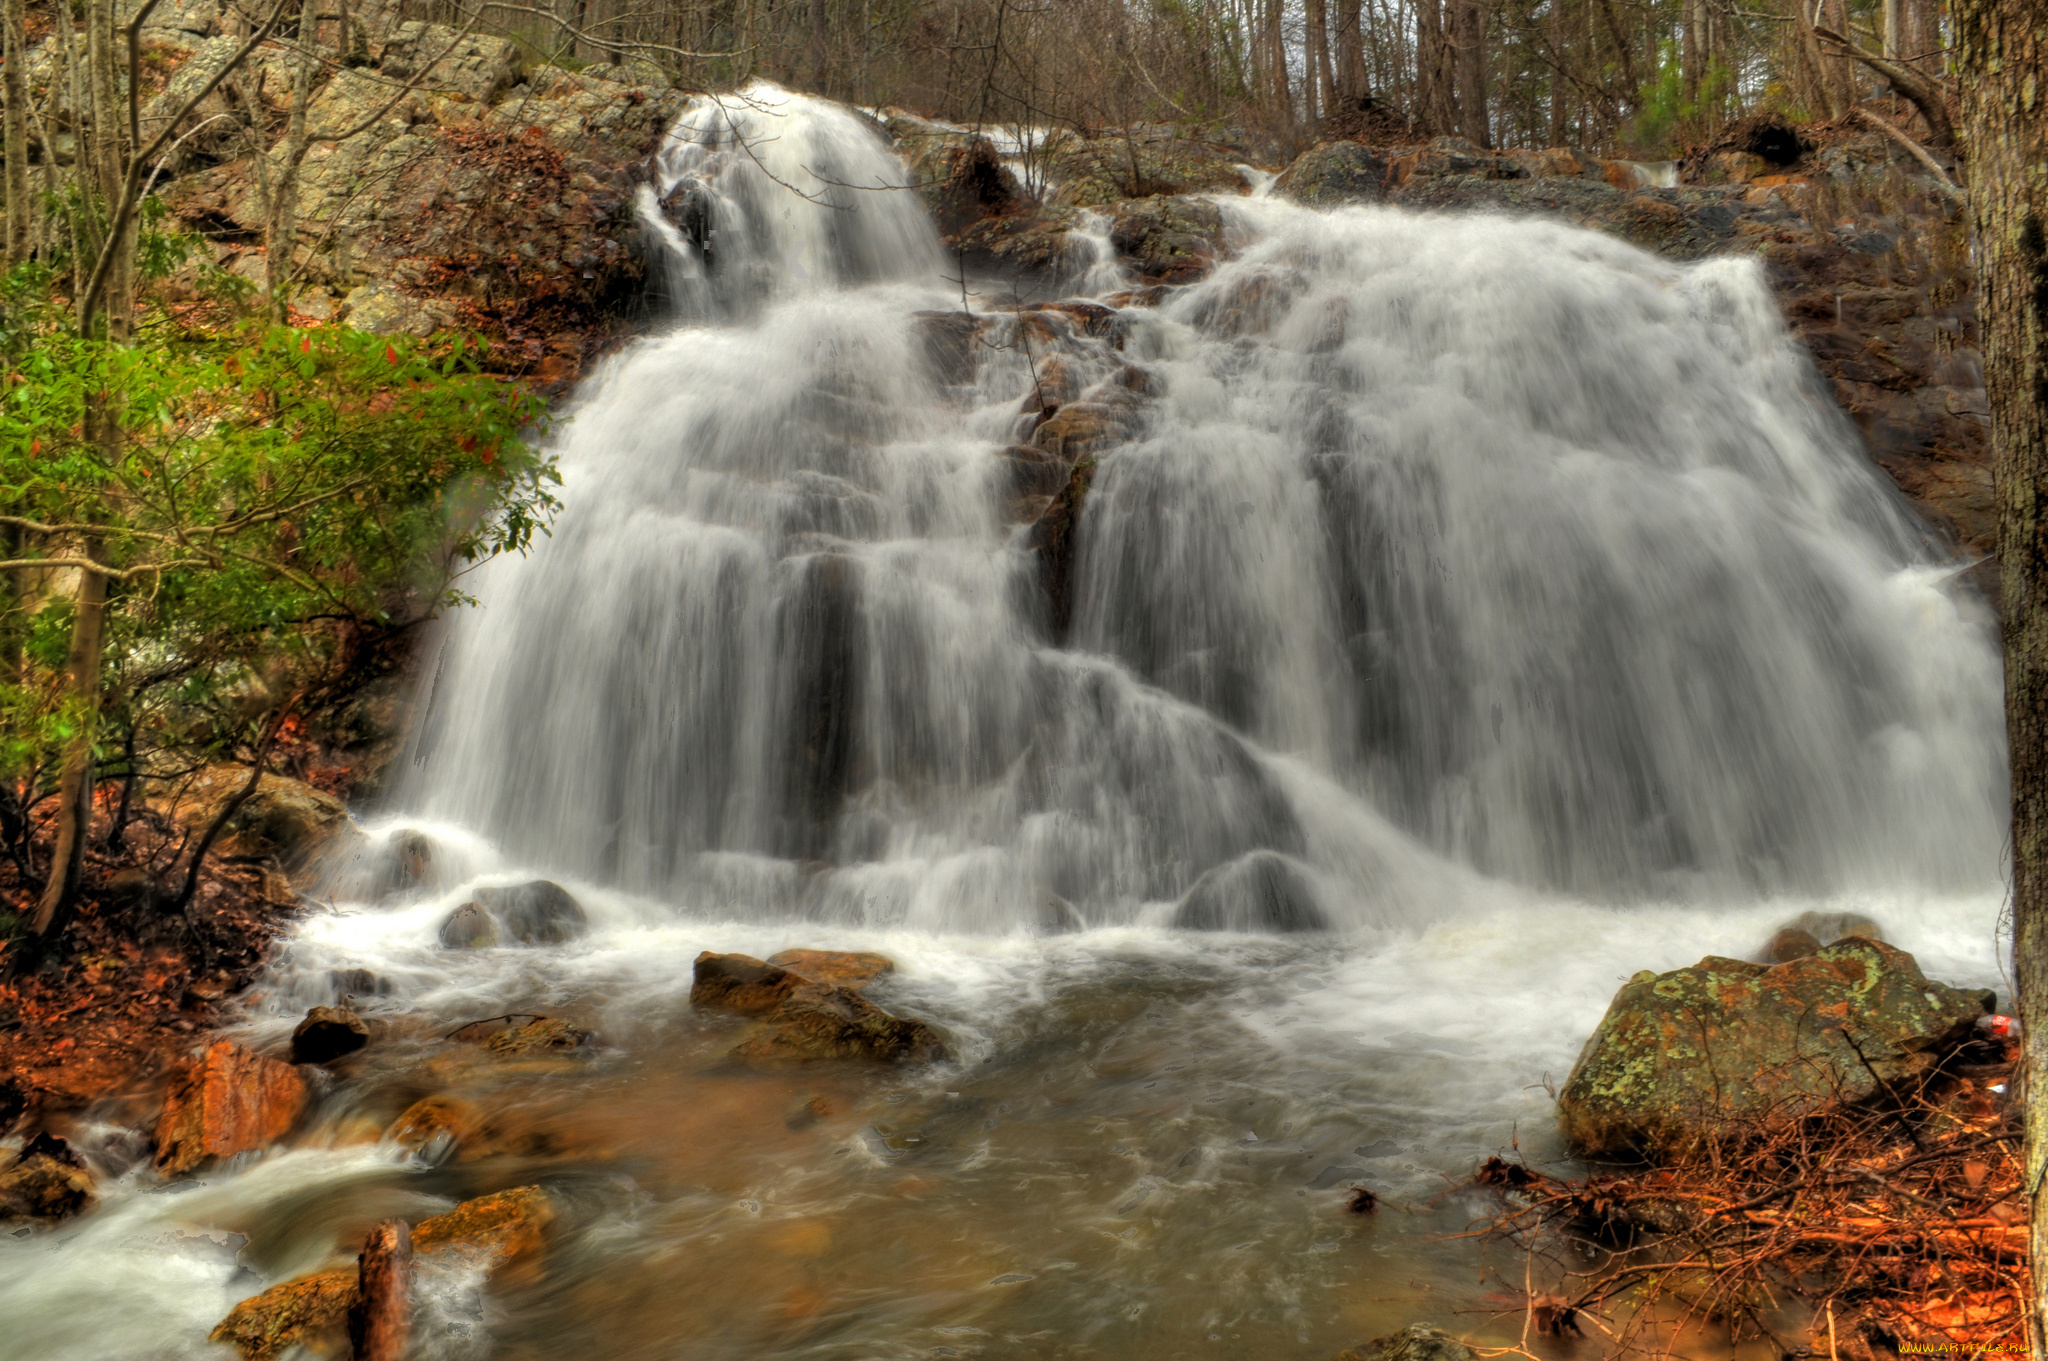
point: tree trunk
(2002, 55)
(109, 158)
(1317, 63)
(15, 133)
(1352, 83)
(1436, 96)
(75, 781)
(1468, 19)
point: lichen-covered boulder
(1330, 173)
(1680, 1054)
(1167, 239)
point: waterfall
(1410, 550)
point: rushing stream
(1508, 604)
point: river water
(1517, 601)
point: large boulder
(447, 61)
(228, 1101)
(1330, 173)
(802, 1018)
(1167, 239)
(958, 173)
(847, 968)
(1096, 171)
(1680, 1055)
(1262, 891)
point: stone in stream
(804, 1017)
(541, 1035)
(327, 1034)
(227, 1101)
(1416, 1342)
(505, 1232)
(538, 912)
(849, 969)
(1262, 891)
(46, 1181)
(1331, 173)
(1680, 1053)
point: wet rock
(408, 862)
(1056, 916)
(1028, 245)
(1262, 891)
(438, 1127)
(504, 1228)
(539, 912)
(469, 927)
(808, 1113)
(739, 983)
(285, 819)
(227, 1101)
(1168, 240)
(848, 969)
(1416, 1342)
(502, 1231)
(307, 1311)
(327, 1034)
(821, 648)
(1056, 540)
(803, 1018)
(819, 1021)
(540, 1036)
(1331, 173)
(1790, 943)
(380, 1320)
(1679, 1054)
(357, 983)
(949, 345)
(45, 1182)
(957, 172)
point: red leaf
(390, 355)
(305, 346)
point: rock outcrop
(1701, 1051)
(801, 1018)
(228, 1101)
(283, 819)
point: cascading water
(1511, 603)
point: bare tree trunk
(1840, 71)
(1813, 65)
(2002, 55)
(1316, 66)
(380, 1321)
(818, 46)
(1352, 84)
(15, 134)
(1435, 79)
(108, 145)
(1468, 19)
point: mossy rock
(1416, 1342)
(1725, 1044)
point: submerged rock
(539, 912)
(1678, 1054)
(46, 1181)
(327, 1034)
(1262, 891)
(804, 1018)
(1416, 1342)
(469, 927)
(228, 1101)
(501, 1230)
(541, 1035)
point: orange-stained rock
(228, 1101)
(508, 1226)
(541, 1035)
(850, 969)
(824, 1021)
(47, 1182)
(307, 1311)
(439, 1126)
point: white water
(1526, 592)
